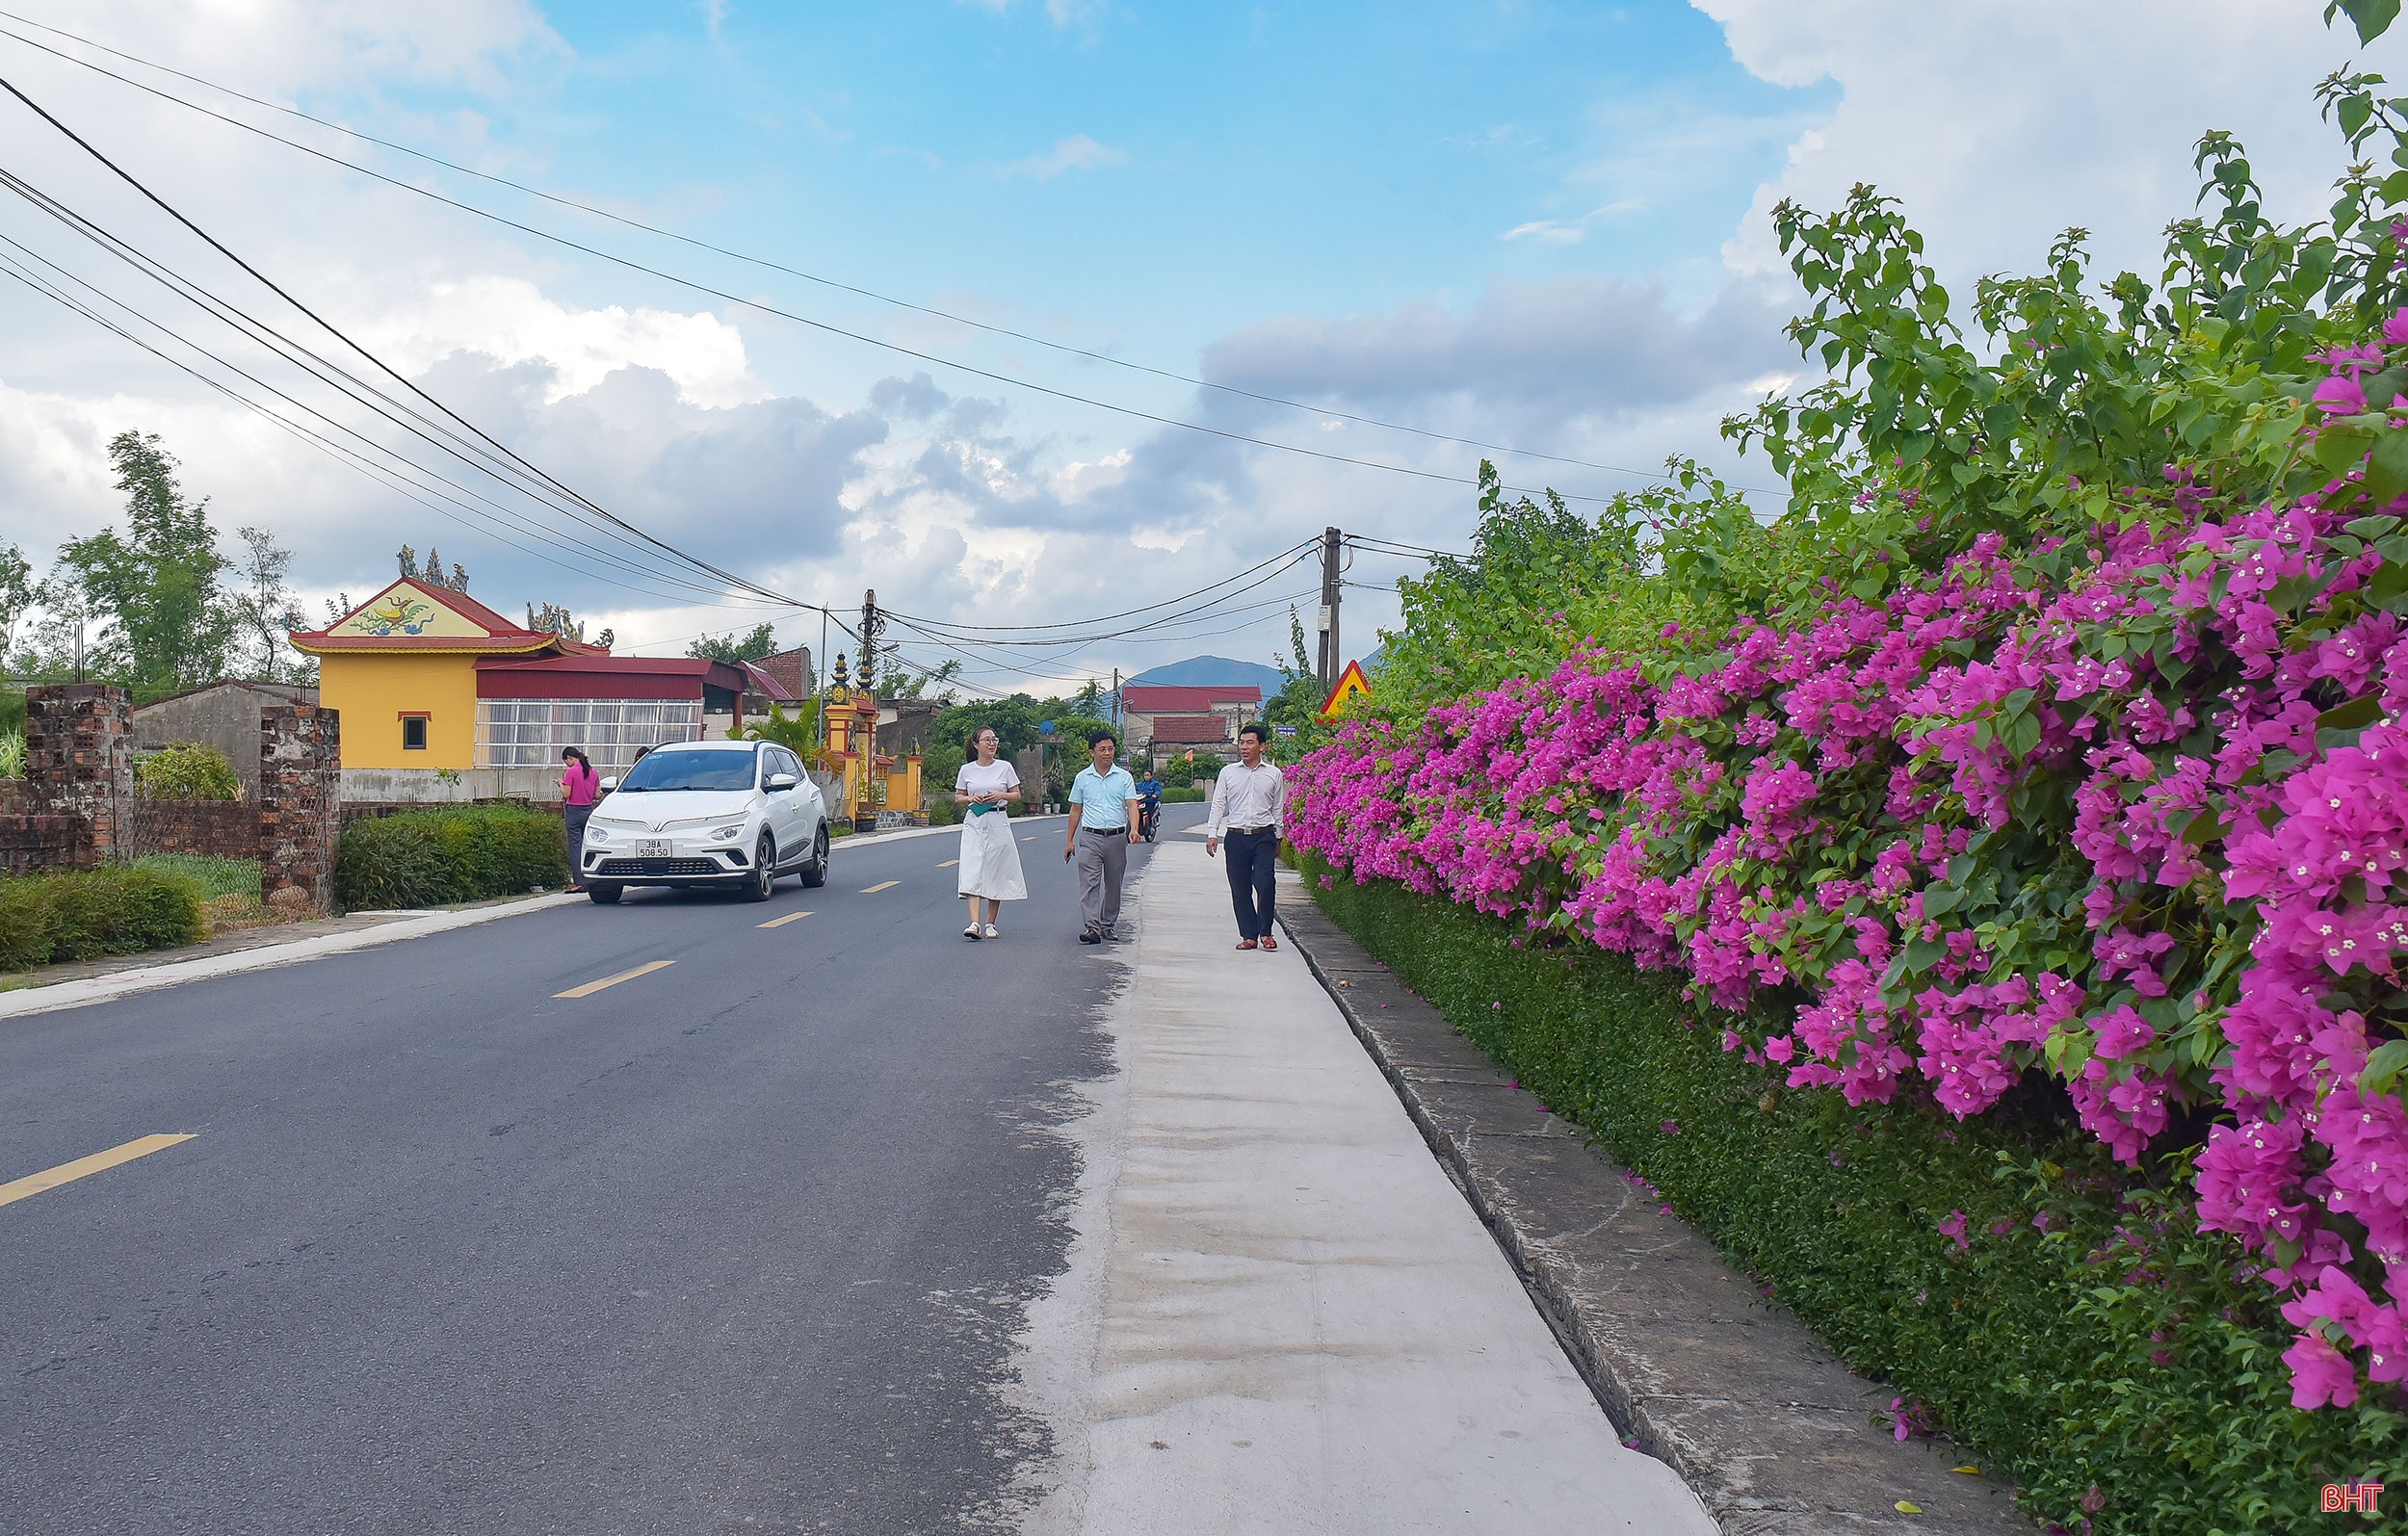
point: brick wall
(79, 763)
(226, 829)
(300, 795)
(32, 844)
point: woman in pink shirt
(583, 785)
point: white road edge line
(175, 973)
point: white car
(707, 813)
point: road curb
(1776, 1436)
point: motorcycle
(1149, 818)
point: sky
(1538, 227)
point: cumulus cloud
(2003, 122)
(510, 319)
(1577, 347)
(1077, 152)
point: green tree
(800, 731)
(1015, 721)
(731, 648)
(263, 608)
(166, 626)
(1299, 701)
(918, 684)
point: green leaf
(1920, 955)
(2371, 17)
(1941, 900)
(2371, 527)
(2341, 444)
(2023, 735)
(2356, 715)
(2384, 1067)
(2387, 477)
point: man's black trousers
(1252, 857)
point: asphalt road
(735, 1245)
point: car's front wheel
(814, 873)
(604, 893)
(764, 879)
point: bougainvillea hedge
(2002, 1275)
(2047, 750)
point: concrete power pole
(1331, 658)
(873, 625)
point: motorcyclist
(1150, 803)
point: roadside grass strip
(779, 922)
(593, 987)
(83, 1168)
(882, 885)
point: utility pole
(817, 661)
(1115, 698)
(873, 625)
(1330, 660)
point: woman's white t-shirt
(991, 778)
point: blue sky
(1222, 167)
(1536, 226)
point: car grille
(662, 866)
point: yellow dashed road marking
(949, 864)
(81, 1167)
(791, 917)
(593, 987)
(882, 885)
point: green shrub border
(447, 854)
(2113, 1366)
(81, 915)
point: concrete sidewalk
(1280, 1315)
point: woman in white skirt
(991, 855)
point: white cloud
(510, 320)
(1570, 231)
(2001, 122)
(1077, 152)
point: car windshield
(691, 771)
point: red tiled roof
(1154, 698)
(769, 684)
(597, 676)
(1190, 728)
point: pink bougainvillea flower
(2340, 396)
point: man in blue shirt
(1102, 823)
(1150, 803)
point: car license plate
(652, 848)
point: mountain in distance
(1214, 672)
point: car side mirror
(783, 781)
(609, 784)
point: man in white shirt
(1249, 799)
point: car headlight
(722, 833)
(595, 834)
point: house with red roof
(1160, 716)
(434, 687)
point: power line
(1167, 602)
(726, 296)
(539, 476)
(717, 249)
(319, 368)
(390, 479)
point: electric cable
(389, 479)
(332, 329)
(208, 303)
(726, 296)
(698, 244)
